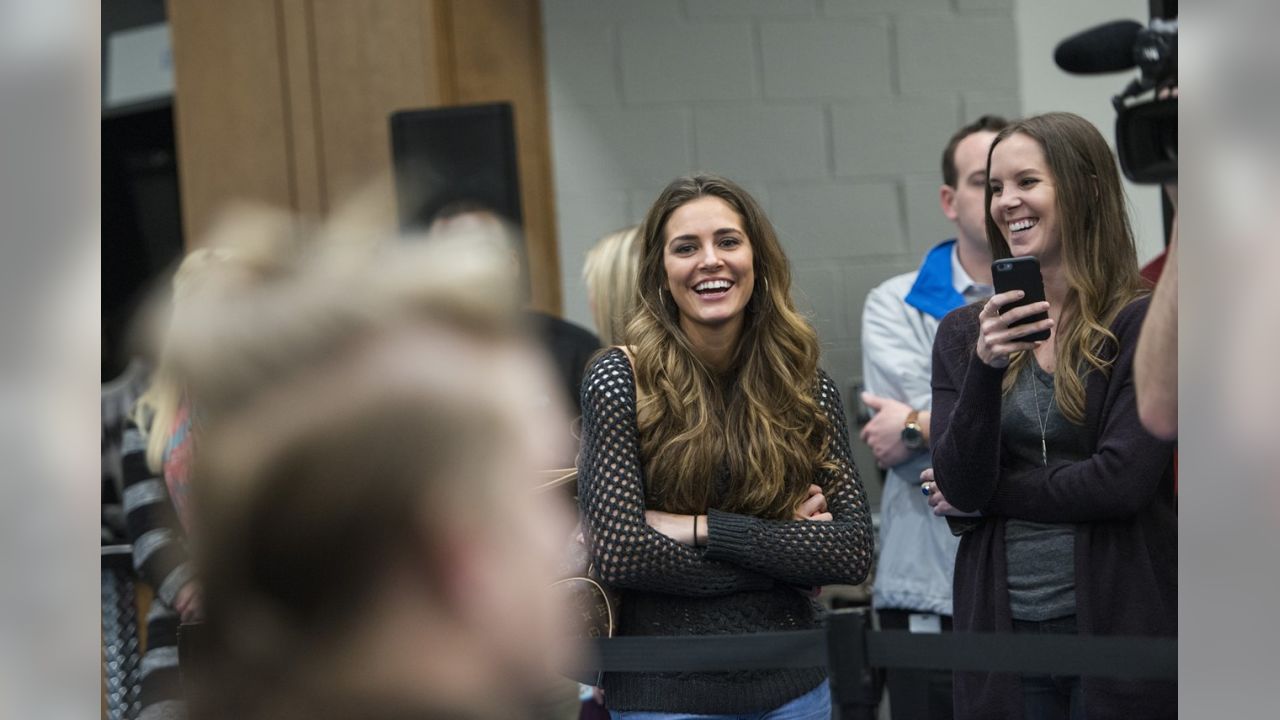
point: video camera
(1146, 129)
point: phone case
(1021, 274)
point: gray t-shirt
(1040, 556)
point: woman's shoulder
(609, 359)
(958, 331)
(610, 369)
(826, 384)
(960, 320)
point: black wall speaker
(447, 156)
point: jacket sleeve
(626, 551)
(895, 360)
(966, 414)
(1123, 475)
(159, 546)
(806, 552)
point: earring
(662, 297)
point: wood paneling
(497, 55)
(286, 102)
(232, 127)
(371, 59)
(302, 104)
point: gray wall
(832, 113)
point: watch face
(912, 437)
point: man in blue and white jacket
(917, 551)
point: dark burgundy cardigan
(1122, 499)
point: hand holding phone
(1017, 316)
(1022, 273)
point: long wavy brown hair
(1099, 256)
(759, 417)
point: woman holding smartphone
(716, 483)
(1075, 527)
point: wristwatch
(912, 433)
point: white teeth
(712, 285)
(1022, 224)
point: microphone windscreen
(1102, 49)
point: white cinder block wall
(832, 112)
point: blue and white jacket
(899, 321)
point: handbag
(592, 605)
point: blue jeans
(1051, 697)
(813, 705)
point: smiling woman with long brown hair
(1077, 531)
(716, 482)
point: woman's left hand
(940, 506)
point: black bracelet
(695, 531)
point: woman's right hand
(937, 502)
(814, 506)
(996, 340)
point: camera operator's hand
(996, 339)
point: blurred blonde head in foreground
(247, 247)
(368, 530)
(610, 273)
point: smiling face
(1024, 199)
(709, 264)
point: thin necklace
(1035, 390)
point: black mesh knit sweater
(746, 580)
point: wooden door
(286, 102)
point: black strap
(1119, 657)
(702, 653)
(1130, 658)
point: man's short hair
(993, 123)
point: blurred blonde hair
(248, 245)
(243, 345)
(610, 272)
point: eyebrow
(1024, 171)
(717, 233)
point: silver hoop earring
(662, 297)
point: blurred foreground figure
(569, 346)
(160, 435)
(370, 537)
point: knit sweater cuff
(728, 535)
(983, 373)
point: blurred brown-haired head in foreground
(369, 534)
